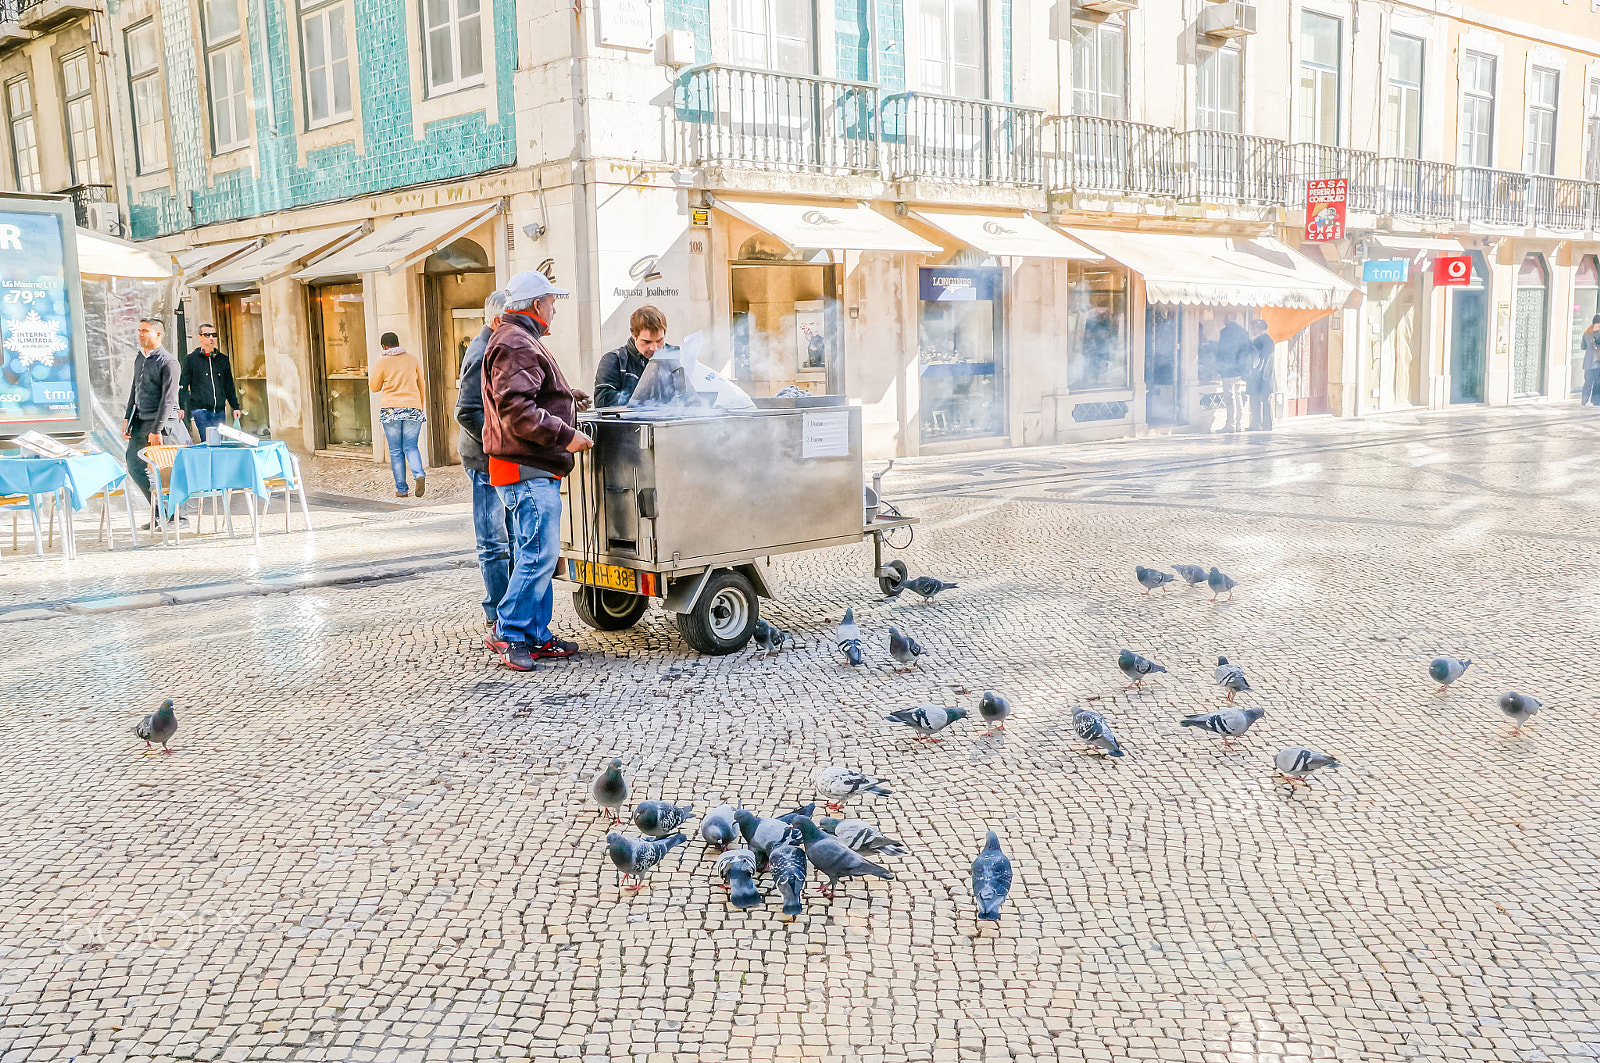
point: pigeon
(762, 834)
(737, 869)
(1151, 578)
(1520, 708)
(1095, 732)
(787, 863)
(993, 709)
(657, 819)
(803, 810)
(1230, 677)
(1219, 582)
(637, 857)
(1191, 574)
(159, 726)
(1136, 668)
(904, 649)
(833, 858)
(1297, 763)
(860, 836)
(991, 878)
(1229, 722)
(1446, 670)
(610, 790)
(926, 586)
(927, 720)
(849, 638)
(838, 783)
(718, 828)
(768, 639)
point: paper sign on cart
(825, 434)
(237, 436)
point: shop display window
(1098, 338)
(339, 321)
(245, 345)
(959, 349)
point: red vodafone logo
(1452, 270)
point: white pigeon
(837, 783)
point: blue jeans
(204, 419)
(402, 437)
(494, 545)
(533, 517)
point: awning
(106, 256)
(808, 227)
(1000, 235)
(1412, 244)
(283, 253)
(197, 260)
(400, 243)
(1221, 271)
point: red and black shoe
(555, 649)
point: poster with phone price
(37, 372)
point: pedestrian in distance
(154, 414)
(621, 369)
(1590, 344)
(396, 378)
(205, 385)
(1235, 356)
(488, 512)
(1263, 379)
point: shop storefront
(1469, 334)
(339, 365)
(961, 353)
(1397, 280)
(1585, 305)
(243, 337)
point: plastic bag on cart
(676, 379)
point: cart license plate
(612, 577)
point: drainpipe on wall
(582, 216)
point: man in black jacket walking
(205, 388)
(153, 415)
(488, 512)
(621, 369)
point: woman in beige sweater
(396, 378)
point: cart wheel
(606, 610)
(891, 585)
(722, 620)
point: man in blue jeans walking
(530, 436)
(488, 512)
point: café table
(78, 479)
(221, 469)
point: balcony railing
(962, 141)
(771, 121)
(1109, 155)
(1234, 167)
(1417, 188)
(1561, 202)
(1494, 197)
(1327, 162)
(82, 196)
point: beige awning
(1413, 244)
(1003, 235)
(400, 243)
(1219, 270)
(809, 227)
(197, 260)
(106, 256)
(285, 252)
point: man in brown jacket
(530, 436)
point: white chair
(295, 482)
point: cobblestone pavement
(371, 843)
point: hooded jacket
(529, 411)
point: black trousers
(1261, 412)
(139, 429)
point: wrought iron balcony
(1233, 167)
(1560, 202)
(940, 138)
(39, 14)
(1493, 197)
(1417, 188)
(10, 28)
(1091, 154)
(1327, 162)
(82, 196)
(770, 121)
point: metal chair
(108, 531)
(16, 504)
(296, 482)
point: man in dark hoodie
(530, 436)
(488, 512)
(205, 386)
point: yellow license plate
(612, 577)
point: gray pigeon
(1095, 731)
(737, 869)
(768, 639)
(1151, 578)
(831, 857)
(1136, 668)
(849, 638)
(1231, 723)
(1520, 707)
(926, 587)
(718, 828)
(787, 863)
(1191, 574)
(1446, 670)
(1230, 677)
(762, 834)
(611, 790)
(904, 649)
(838, 783)
(637, 857)
(657, 819)
(861, 836)
(1297, 762)
(1218, 582)
(927, 720)
(159, 726)
(803, 810)
(993, 710)
(991, 879)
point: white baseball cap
(530, 284)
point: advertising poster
(1325, 206)
(39, 371)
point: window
(82, 141)
(149, 102)
(1477, 109)
(1540, 143)
(1319, 79)
(1099, 70)
(1591, 151)
(1097, 340)
(1402, 107)
(951, 33)
(1219, 90)
(230, 93)
(453, 41)
(24, 137)
(773, 35)
(325, 58)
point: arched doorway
(1585, 305)
(1529, 332)
(1469, 334)
(457, 279)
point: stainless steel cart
(681, 505)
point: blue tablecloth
(83, 476)
(200, 468)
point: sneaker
(402, 494)
(555, 648)
(518, 658)
(422, 486)
(495, 644)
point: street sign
(1452, 270)
(1325, 206)
(1386, 270)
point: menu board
(42, 350)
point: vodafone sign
(1452, 270)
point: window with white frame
(1477, 109)
(1402, 103)
(230, 92)
(149, 101)
(83, 141)
(1099, 69)
(24, 135)
(1539, 145)
(1219, 95)
(1319, 78)
(1591, 150)
(325, 61)
(773, 35)
(452, 33)
(952, 42)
